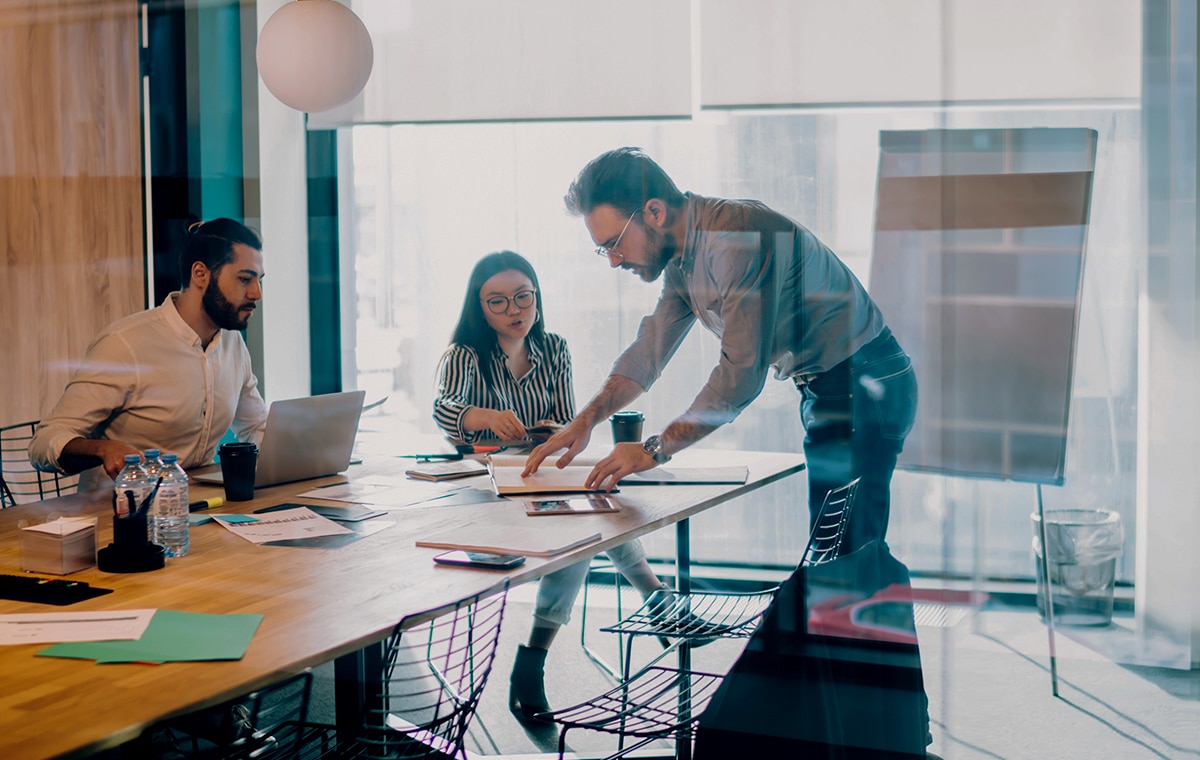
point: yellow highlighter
(212, 503)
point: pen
(145, 508)
(212, 503)
(427, 457)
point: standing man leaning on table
(778, 299)
(175, 377)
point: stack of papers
(58, 547)
(437, 471)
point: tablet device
(575, 505)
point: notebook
(533, 542)
(437, 471)
(306, 438)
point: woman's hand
(506, 425)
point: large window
(427, 201)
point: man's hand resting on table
(625, 459)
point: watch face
(654, 447)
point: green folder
(171, 637)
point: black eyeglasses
(611, 250)
(522, 298)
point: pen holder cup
(131, 550)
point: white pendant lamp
(314, 54)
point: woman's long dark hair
(473, 330)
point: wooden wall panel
(71, 216)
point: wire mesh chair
(704, 616)
(434, 672)
(265, 723)
(20, 483)
(660, 702)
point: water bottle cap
(133, 458)
(151, 453)
(170, 458)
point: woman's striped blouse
(544, 393)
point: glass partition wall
(425, 196)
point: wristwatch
(655, 447)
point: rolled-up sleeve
(99, 389)
(250, 419)
(659, 335)
(741, 269)
(457, 371)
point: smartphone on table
(480, 559)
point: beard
(660, 249)
(219, 309)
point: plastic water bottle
(152, 465)
(131, 478)
(169, 513)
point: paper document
(689, 476)
(289, 524)
(439, 471)
(507, 480)
(404, 493)
(50, 627)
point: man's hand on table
(625, 459)
(574, 438)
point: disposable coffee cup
(239, 461)
(627, 426)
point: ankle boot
(526, 687)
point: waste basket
(1084, 547)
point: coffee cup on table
(239, 462)
(627, 426)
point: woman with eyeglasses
(502, 374)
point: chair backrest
(434, 674)
(829, 529)
(19, 481)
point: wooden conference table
(318, 604)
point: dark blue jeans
(856, 417)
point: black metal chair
(267, 723)
(434, 672)
(660, 702)
(19, 481)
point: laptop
(305, 438)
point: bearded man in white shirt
(174, 377)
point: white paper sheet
(56, 627)
(284, 525)
(404, 493)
